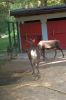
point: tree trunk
(43, 2)
(64, 2)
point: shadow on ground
(15, 78)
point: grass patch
(3, 44)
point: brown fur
(50, 44)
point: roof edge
(37, 11)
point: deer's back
(49, 43)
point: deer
(49, 44)
(34, 58)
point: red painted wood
(30, 30)
(57, 30)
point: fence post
(10, 44)
(18, 38)
(14, 32)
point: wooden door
(30, 30)
(57, 30)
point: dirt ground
(17, 82)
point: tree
(4, 15)
(43, 2)
(63, 1)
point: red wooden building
(41, 23)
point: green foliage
(3, 44)
(54, 2)
(3, 18)
(3, 27)
(7, 5)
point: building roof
(37, 11)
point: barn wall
(30, 30)
(43, 19)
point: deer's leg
(33, 73)
(33, 65)
(55, 53)
(43, 53)
(61, 51)
(37, 67)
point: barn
(41, 23)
